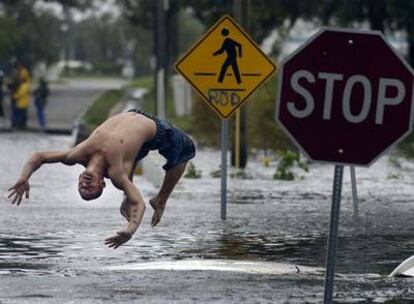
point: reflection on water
(29, 247)
(23, 255)
(252, 267)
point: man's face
(90, 185)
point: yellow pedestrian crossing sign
(225, 66)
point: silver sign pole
(354, 192)
(333, 235)
(224, 143)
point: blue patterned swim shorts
(172, 143)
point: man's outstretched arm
(22, 186)
(136, 207)
(45, 157)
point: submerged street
(291, 85)
(52, 246)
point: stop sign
(345, 96)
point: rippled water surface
(52, 251)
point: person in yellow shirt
(22, 99)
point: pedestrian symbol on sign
(226, 66)
(233, 50)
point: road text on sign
(225, 67)
(345, 96)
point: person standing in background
(13, 85)
(40, 96)
(22, 98)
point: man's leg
(24, 119)
(39, 115)
(17, 119)
(172, 176)
(42, 118)
(13, 115)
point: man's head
(90, 185)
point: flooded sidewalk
(270, 250)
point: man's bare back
(120, 136)
(111, 151)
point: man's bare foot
(124, 209)
(158, 205)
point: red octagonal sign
(345, 96)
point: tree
(140, 13)
(30, 35)
(401, 17)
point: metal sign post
(333, 235)
(354, 192)
(317, 96)
(206, 66)
(224, 143)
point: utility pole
(160, 48)
(239, 148)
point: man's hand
(18, 190)
(117, 240)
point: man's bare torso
(118, 140)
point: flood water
(52, 246)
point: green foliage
(215, 173)
(263, 132)
(150, 100)
(27, 34)
(146, 82)
(99, 110)
(239, 174)
(9, 35)
(207, 13)
(288, 161)
(103, 50)
(264, 17)
(393, 176)
(405, 148)
(192, 172)
(205, 123)
(140, 13)
(183, 122)
(189, 31)
(101, 39)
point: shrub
(192, 172)
(289, 160)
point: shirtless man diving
(112, 151)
